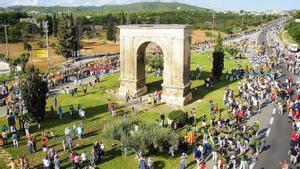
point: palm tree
(23, 60)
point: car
(293, 47)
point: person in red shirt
(44, 144)
(202, 165)
(110, 107)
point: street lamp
(45, 28)
(6, 39)
(213, 23)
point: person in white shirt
(84, 159)
(46, 162)
(67, 131)
(79, 131)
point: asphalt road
(279, 129)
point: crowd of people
(76, 73)
(207, 44)
(228, 137)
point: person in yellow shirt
(12, 164)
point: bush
(156, 62)
(120, 128)
(147, 138)
(209, 34)
(293, 29)
(179, 116)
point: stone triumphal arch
(174, 41)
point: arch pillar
(175, 41)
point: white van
(293, 47)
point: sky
(249, 5)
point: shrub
(179, 116)
(147, 138)
(156, 62)
(120, 128)
(209, 34)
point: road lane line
(268, 132)
(252, 165)
(274, 111)
(271, 120)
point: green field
(95, 106)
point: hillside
(84, 10)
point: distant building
(32, 13)
(30, 20)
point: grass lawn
(286, 37)
(95, 106)
(3, 164)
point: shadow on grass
(200, 91)
(154, 86)
(159, 164)
(50, 122)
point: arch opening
(150, 65)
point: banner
(41, 53)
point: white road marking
(268, 132)
(274, 111)
(252, 165)
(271, 120)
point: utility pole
(243, 18)
(157, 20)
(45, 28)
(6, 39)
(213, 23)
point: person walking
(30, 146)
(12, 164)
(83, 159)
(93, 158)
(214, 153)
(77, 161)
(15, 140)
(74, 131)
(142, 163)
(44, 144)
(162, 119)
(79, 131)
(293, 155)
(244, 161)
(56, 162)
(46, 163)
(183, 161)
(60, 112)
(149, 163)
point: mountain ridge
(133, 7)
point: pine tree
(111, 32)
(128, 19)
(122, 18)
(24, 58)
(54, 25)
(34, 93)
(66, 35)
(218, 59)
